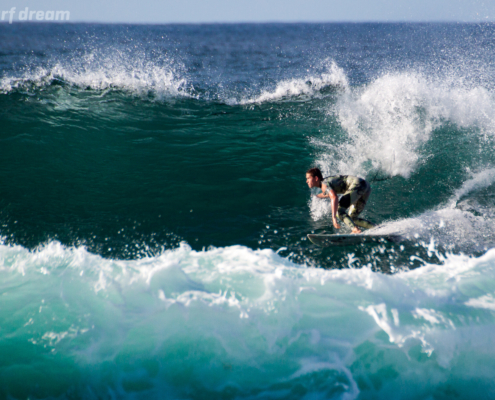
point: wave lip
(311, 86)
(388, 121)
(161, 78)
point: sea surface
(154, 211)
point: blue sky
(197, 11)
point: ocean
(154, 211)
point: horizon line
(17, 22)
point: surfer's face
(312, 181)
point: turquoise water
(154, 211)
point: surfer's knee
(342, 215)
(352, 212)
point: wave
(467, 229)
(234, 320)
(310, 86)
(456, 225)
(478, 181)
(161, 78)
(388, 121)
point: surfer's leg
(362, 223)
(345, 201)
(342, 215)
(356, 208)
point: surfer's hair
(315, 172)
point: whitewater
(242, 323)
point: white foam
(310, 86)
(248, 309)
(319, 208)
(486, 302)
(478, 181)
(454, 229)
(161, 79)
(456, 225)
(388, 120)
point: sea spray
(388, 121)
(311, 86)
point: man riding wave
(355, 193)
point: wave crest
(161, 79)
(387, 122)
(310, 86)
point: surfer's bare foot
(356, 230)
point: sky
(208, 11)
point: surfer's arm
(335, 206)
(322, 195)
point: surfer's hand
(336, 224)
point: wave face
(153, 211)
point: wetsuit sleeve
(330, 185)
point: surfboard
(325, 240)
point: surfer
(355, 193)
